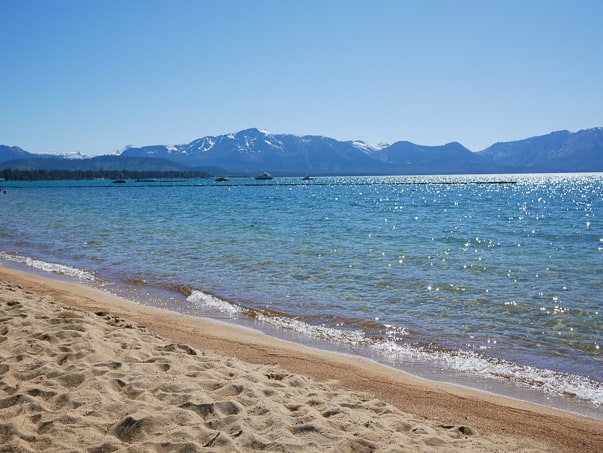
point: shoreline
(510, 423)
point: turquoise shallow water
(493, 275)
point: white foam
(199, 297)
(49, 267)
(353, 337)
(548, 381)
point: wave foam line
(49, 267)
(199, 297)
(353, 337)
(548, 381)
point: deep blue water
(497, 279)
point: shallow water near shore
(496, 278)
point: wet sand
(82, 370)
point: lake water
(491, 281)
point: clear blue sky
(95, 76)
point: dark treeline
(55, 175)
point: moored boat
(264, 176)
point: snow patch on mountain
(72, 155)
(359, 144)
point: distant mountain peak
(251, 132)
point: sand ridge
(77, 380)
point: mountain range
(253, 151)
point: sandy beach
(82, 370)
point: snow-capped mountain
(253, 151)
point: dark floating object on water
(119, 181)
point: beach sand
(81, 370)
